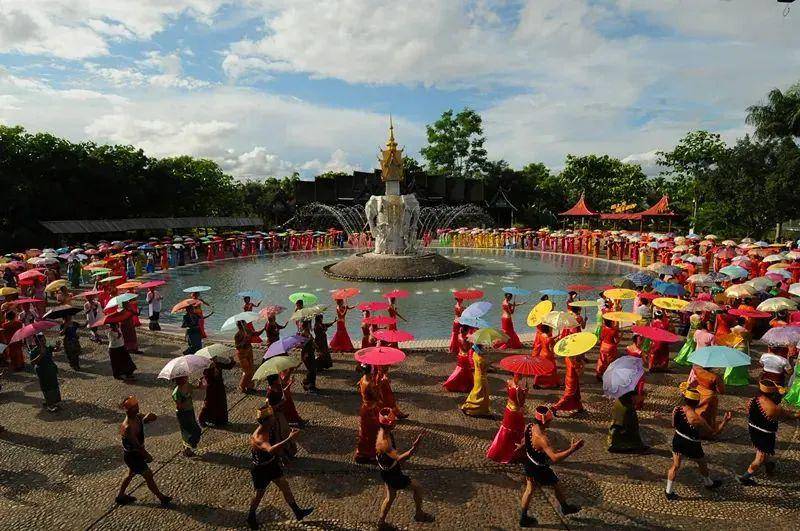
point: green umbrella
(100, 272)
(719, 356)
(275, 365)
(487, 336)
(307, 298)
(308, 312)
(622, 282)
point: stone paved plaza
(61, 470)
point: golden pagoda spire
(391, 158)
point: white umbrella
(477, 309)
(119, 300)
(215, 350)
(187, 365)
(622, 376)
(230, 323)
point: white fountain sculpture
(393, 221)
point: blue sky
(267, 87)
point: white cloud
(156, 70)
(338, 161)
(647, 161)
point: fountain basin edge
(370, 267)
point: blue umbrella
(517, 292)
(735, 271)
(640, 278)
(474, 322)
(284, 345)
(477, 309)
(255, 295)
(554, 292)
(719, 356)
(669, 289)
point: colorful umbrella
(215, 350)
(185, 303)
(794, 289)
(271, 310)
(669, 288)
(527, 365)
(130, 285)
(59, 312)
(109, 279)
(619, 294)
(307, 298)
(31, 330)
(624, 283)
(345, 293)
(641, 278)
(186, 365)
(468, 294)
(719, 356)
(734, 271)
(119, 300)
(473, 322)
(477, 309)
(308, 312)
(761, 283)
(6, 291)
(777, 304)
(152, 284)
(739, 291)
(669, 303)
(515, 291)
(622, 376)
(197, 289)
(380, 320)
(575, 344)
(538, 312)
(374, 306)
(25, 300)
(276, 365)
(230, 322)
(285, 344)
(393, 336)
(782, 336)
(487, 336)
(396, 294)
(656, 334)
(622, 317)
(30, 275)
(559, 320)
(55, 285)
(701, 306)
(583, 304)
(380, 356)
(752, 314)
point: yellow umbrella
(670, 303)
(487, 336)
(737, 291)
(8, 291)
(55, 285)
(538, 312)
(560, 320)
(777, 304)
(575, 344)
(622, 317)
(779, 265)
(619, 294)
(583, 304)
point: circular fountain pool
(429, 309)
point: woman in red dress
(545, 351)
(13, 353)
(461, 379)
(512, 430)
(340, 342)
(571, 399)
(659, 350)
(199, 310)
(385, 393)
(366, 334)
(392, 310)
(507, 324)
(609, 342)
(454, 341)
(368, 418)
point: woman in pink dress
(393, 313)
(512, 430)
(365, 331)
(454, 341)
(507, 324)
(544, 349)
(461, 379)
(340, 342)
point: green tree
(605, 181)
(411, 166)
(779, 116)
(687, 165)
(455, 145)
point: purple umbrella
(782, 336)
(622, 376)
(284, 345)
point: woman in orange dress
(609, 342)
(507, 324)
(512, 430)
(710, 386)
(545, 351)
(340, 342)
(368, 417)
(454, 341)
(571, 399)
(385, 392)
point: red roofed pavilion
(580, 209)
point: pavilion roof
(580, 209)
(660, 209)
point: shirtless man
(689, 428)
(133, 452)
(539, 454)
(266, 465)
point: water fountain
(394, 222)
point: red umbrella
(380, 320)
(271, 310)
(117, 317)
(753, 314)
(30, 274)
(468, 294)
(374, 306)
(345, 293)
(380, 356)
(185, 303)
(396, 294)
(152, 284)
(393, 336)
(581, 287)
(649, 295)
(25, 300)
(656, 334)
(31, 330)
(89, 293)
(527, 365)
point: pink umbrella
(25, 300)
(30, 275)
(396, 294)
(271, 310)
(380, 320)
(375, 306)
(152, 284)
(656, 334)
(89, 293)
(31, 330)
(345, 293)
(380, 356)
(393, 336)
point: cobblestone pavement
(61, 470)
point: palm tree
(779, 117)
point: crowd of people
(717, 298)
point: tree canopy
(455, 145)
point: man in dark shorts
(538, 455)
(389, 463)
(266, 465)
(763, 414)
(689, 428)
(133, 451)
